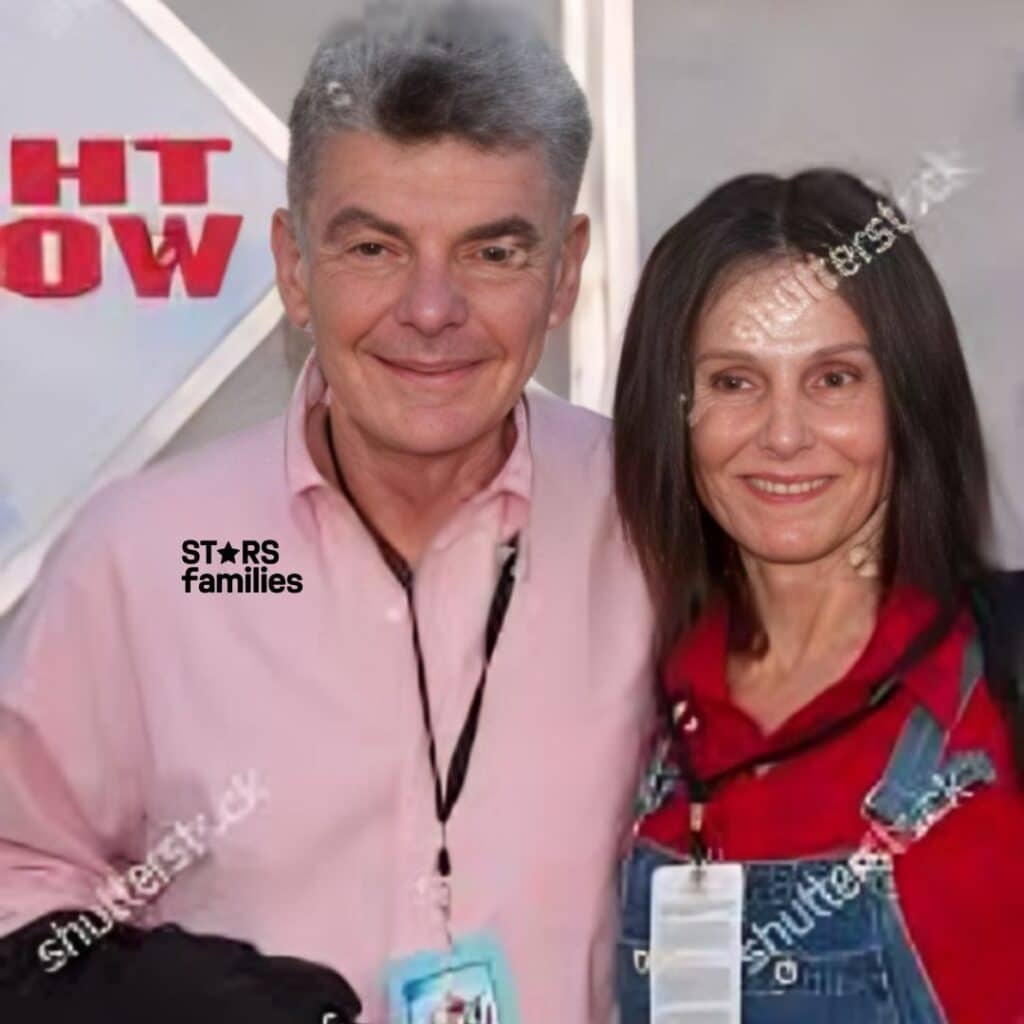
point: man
(406, 609)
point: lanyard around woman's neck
(701, 789)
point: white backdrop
(94, 384)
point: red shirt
(961, 886)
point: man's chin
(437, 431)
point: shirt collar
(514, 481)
(697, 666)
(934, 680)
(310, 389)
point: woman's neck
(817, 619)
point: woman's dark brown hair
(938, 508)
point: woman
(800, 468)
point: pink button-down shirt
(128, 706)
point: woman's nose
(786, 429)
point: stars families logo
(253, 578)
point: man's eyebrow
(514, 226)
(356, 216)
(819, 353)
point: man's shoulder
(230, 472)
(559, 428)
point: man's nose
(431, 300)
(786, 429)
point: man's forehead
(447, 181)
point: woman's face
(788, 421)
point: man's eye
(369, 249)
(496, 254)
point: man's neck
(408, 497)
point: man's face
(431, 275)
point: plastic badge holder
(696, 944)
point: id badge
(468, 984)
(696, 968)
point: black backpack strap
(997, 599)
(998, 602)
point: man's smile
(436, 373)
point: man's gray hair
(483, 75)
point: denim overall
(855, 963)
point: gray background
(729, 88)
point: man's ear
(291, 269)
(567, 284)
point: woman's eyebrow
(845, 346)
(745, 355)
(726, 353)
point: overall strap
(918, 785)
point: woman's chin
(791, 551)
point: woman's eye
(837, 378)
(728, 382)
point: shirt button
(423, 890)
(395, 613)
(786, 971)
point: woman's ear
(291, 268)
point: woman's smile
(775, 489)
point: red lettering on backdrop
(78, 246)
(184, 175)
(36, 172)
(202, 269)
(74, 248)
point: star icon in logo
(227, 553)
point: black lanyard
(446, 794)
(700, 790)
